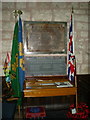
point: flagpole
(75, 61)
(76, 88)
(73, 30)
(19, 12)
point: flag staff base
(76, 102)
(19, 110)
(76, 94)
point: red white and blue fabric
(71, 46)
(71, 67)
(7, 67)
(71, 56)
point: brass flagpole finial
(72, 10)
(20, 12)
(15, 13)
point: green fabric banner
(14, 66)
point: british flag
(7, 67)
(71, 56)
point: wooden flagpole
(76, 103)
(19, 12)
(76, 88)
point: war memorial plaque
(45, 37)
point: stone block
(31, 5)
(89, 58)
(81, 18)
(6, 45)
(0, 45)
(79, 45)
(7, 35)
(44, 6)
(84, 34)
(75, 5)
(0, 26)
(0, 15)
(0, 6)
(88, 69)
(6, 15)
(81, 26)
(59, 5)
(7, 26)
(78, 69)
(61, 15)
(79, 58)
(88, 26)
(21, 5)
(43, 15)
(8, 5)
(84, 5)
(69, 5)
(1, 58)
(85, 58)
(26, 16)
(81, 11)
(79, 39)
(84, 68)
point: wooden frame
(45, 92)
(50, 92)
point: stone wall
(49, 11)
(0, 38)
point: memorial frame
(42, 37)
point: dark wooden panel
(84, 88)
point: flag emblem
(71, 56)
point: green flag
(14, 65)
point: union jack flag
(71, 46)
(7, 67)
(71, 56)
